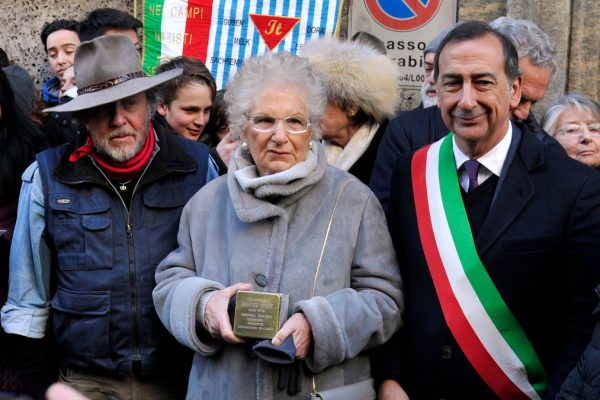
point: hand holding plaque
(259, 315)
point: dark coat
(583, 383)
(414, 129)
(407, 132)
(539, 244)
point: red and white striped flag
(223, 33)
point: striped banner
(223, 33)
(483, 326)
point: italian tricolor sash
(483, 326)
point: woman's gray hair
(260, 73)
(555, 110)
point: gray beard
(119, 154)
(426, 100)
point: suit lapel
(515, 189)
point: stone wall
(22, 22)
(571, 23)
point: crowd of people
(446, 252)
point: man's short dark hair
(59, 25)
(100, 20)
(471, 30)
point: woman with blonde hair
(574, 121)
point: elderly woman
(281, 221)
(362, 94)
(574, 121)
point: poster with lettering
(405, 27)
(223, 33)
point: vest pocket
(81, 323)
(81, 228)
(98, 241)
(90, 249)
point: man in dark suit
(498, 241)
(416, 128)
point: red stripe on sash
(462, 331)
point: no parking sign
(403, 15)
(405, 26)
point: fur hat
(356, 74)
(108, 69)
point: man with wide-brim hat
(95, 218)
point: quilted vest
(105, 256)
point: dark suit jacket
(584, 381)
(540, 244)
(405, 133)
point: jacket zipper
(132, 272)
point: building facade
(571, 23)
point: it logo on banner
(273, 28)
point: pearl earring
(244, 146)
(310, 145)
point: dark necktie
(472, 167)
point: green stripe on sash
(478, 277)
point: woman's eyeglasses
(266, 124)
(579, 129)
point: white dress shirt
(491, 162)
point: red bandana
(129, 169)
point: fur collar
(254, 196)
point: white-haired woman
(574, 121)
(363, 93)
(287, 223)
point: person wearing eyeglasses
(281, 221)
(574, 121)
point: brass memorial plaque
(259, 315)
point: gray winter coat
(228, 235)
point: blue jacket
(50, 91)
(104, 255)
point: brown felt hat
(108, 68)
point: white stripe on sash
(468, 300)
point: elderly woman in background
(574, 121)
(281, 221)
(362, 95)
